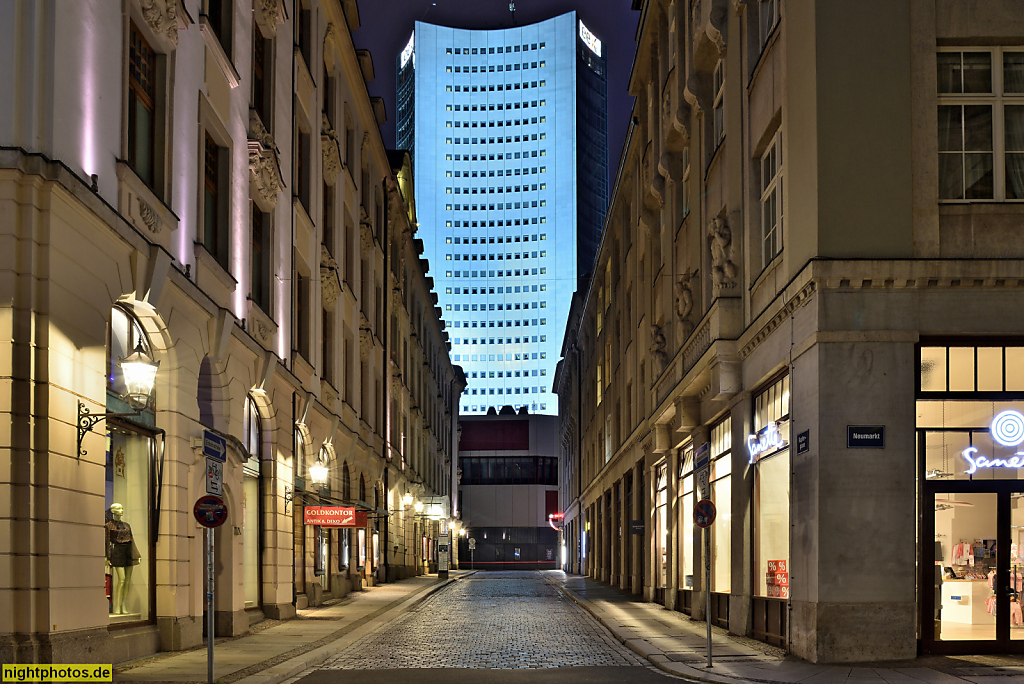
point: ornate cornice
(794, 303)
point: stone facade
(778, 221)
(260, 285)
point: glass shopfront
(721, 495)
(251, 504)
(661, 540)
(970, 442)
(768, 451)
(129, 485)
(687, 501)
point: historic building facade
(204, 181)
(800, 311)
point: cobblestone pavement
(500, 620)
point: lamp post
(139, 371)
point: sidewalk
(276, 653)
(676, 644)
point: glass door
(973, 572)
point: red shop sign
(333, 516)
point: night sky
(386, 25)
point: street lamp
(407, 499)
(318, 473)
(418, 506)
(139, 371)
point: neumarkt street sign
(865, 436)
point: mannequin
(120, 547)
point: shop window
(661, 522)
(721, 494)
(771, 489)
(128, 504)
(969, 369)
(687, 501)
(252, 494)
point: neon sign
(590, 40)
(407, 51)
(768, 440)
(1007, 429)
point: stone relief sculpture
(149, 217)
(658, 344)
(723, 269)
(684, 303)
(330, 286)
(331, 149)
(365, 343)
(264, 172)
(162, 17)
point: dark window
(261, 58)
(327, 346)
(219, 15)
(302, 315)
(215, 224)
(305, 34)
(141, 107)
(261, 259)
(302, 169)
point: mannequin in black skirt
(119, 555)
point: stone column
(625, 568)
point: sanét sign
(1007, 429)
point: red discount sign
(777, 579)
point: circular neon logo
(1008, 428)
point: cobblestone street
(496, 621)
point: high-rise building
(508, 132)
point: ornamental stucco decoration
(162, 17)
(267, 14)
(330, 285)
(365, 343)
(684, 303)
(723, 269)
(331, 150)
(149, 217)
(365, 230)
(264, 171)
(658, 344)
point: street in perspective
(515, 341)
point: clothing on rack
(963, 554)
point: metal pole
(707, 585)
(209, 605)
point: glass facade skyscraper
(508, 133)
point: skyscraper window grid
(508, 130)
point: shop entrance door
(972, 572)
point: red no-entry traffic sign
(704, 513)
(210, 511)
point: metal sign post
(703, 515)
(210, 512)
(209, 605)
(707, 586)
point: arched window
(252, 495)
(346, 483)
(126, 334)
(251, 429)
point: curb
(292, 667)
(650, 653)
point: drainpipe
(386, 295)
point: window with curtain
(981, 124)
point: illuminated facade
(508, 132)
(802, 311)
(243, 224)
